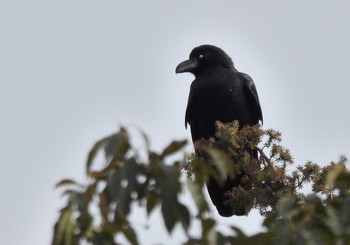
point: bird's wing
(189, 112)
(252, 94)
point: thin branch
(266, 159)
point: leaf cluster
(125, 180)
(270, 184)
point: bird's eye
(200, 56)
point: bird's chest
(212, 103)
(215, 97)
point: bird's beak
(187, 66)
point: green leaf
(198, 196)
(270, 219)
(184, 216)
(90, 192)
(69, 233)
(84, 221)
(169, 215)
(208, 231)
(168, 181)
(287, 207)
(63, 228)
(193, 241)
(222, 162)
(123, 203)
(114, 179)
(223, 240)
(110, 229)
(333, 221)
(122, 184)
(104, 206)
(344, 214)
(239, 232)
(152, 202)
(173, 147)
(263, 238)
(130, 170)
(207, 225)
(117, 145)
(343, 182)
(334, 173)
(316, 202)
(212, 237)
(130, 234)
(102, 238)
(77, 198)
(92, 153)
(146, 140)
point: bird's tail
(220, 197)
(222, 194)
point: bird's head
(203, 58)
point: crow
(218, 93)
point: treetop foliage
(273, 187)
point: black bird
(218, 93)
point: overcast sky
(72, 71)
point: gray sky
(72, 71)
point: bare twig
(266, 159)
